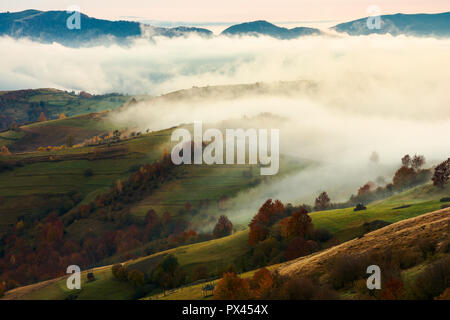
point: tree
(120, 272)
(267, 215)
(232, 287)
(136, 278)
(5, 151)
(417, 162)
(70, 141)
(322, 201)
(441, 174)
(299, 247)
(42, 117)
(297, 225)
(62, 116)
(223, 228)
(406, 161)
(200, 273)
(169, 264)
(404, 177)
(261, 283)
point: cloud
(373, 93)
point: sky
(306, 12)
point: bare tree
(406, 160)
(417, 162)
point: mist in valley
(368, 94)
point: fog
(373, 93)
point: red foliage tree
(223, 227)
(267, 215)
(297, 225)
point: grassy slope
(56, 102)
(347, 224)
(19, 187)
(211, 253)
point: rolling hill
(261, 27)
(26, 106)
(419, 25)
(409, 225)
(50, 26)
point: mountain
(421, 25)
(51, 26)
(262, 27)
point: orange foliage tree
(268, 214)
(297, 225)
(232, 287)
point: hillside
(51, 26)
(220, 252)
(419, 25)
(26, 106)
(261, 27)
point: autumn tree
(322, 202)
(232, 287)
(299, 247)
(200, 272)
(297, 225)
(441, 174)
(223, 227)
(62, 116)
(417, 162)
(404, 177)
(42, 117)
(261, 283)
(5, 151)
(267, 215)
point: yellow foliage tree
(5, 151)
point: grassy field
(346, 224)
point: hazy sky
(231, 10)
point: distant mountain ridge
(51, 26)
(420, 25)
(262, 27)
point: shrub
(120, 272)
(321, 235)
(427, 247)
(299, 288)
(408, 258)
(88, 172)
(433, 281)
(232, 287)
(346, 269)
(136, 278)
